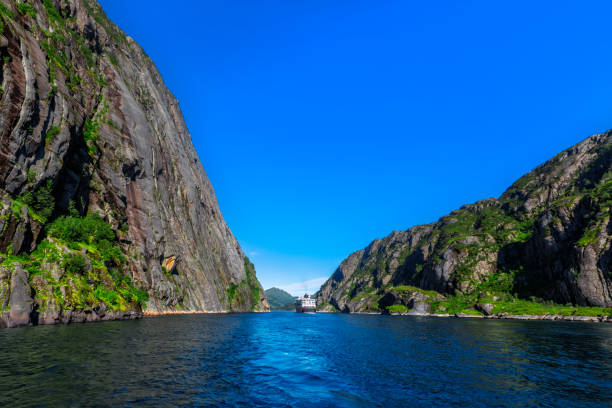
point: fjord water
(299, 360)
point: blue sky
(326, 124)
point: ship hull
(300, 309)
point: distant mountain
(545, 241)
(279, 299)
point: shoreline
(180, 312)
(114, 316)
(189, 312)
(93, 317)
(503, 316)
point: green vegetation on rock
(77, 279)
(94, 9)
(397, 309)
(5, 12)
(91, 135)
(252, 282)
(40, 201)
(327, 307)
(78, 265)
(51, 133)
(524, 307)
(26, 9)
(407, 288)
(231, 293)
(249, 286)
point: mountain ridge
(545, 239)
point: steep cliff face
(91, 141)
(547, 238)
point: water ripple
(293, 360)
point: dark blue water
(295, 360)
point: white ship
(306, 304)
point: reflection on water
(289, 359)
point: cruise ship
(306, 304)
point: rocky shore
(86, 316)
(89, 316)
(190, 312)
(600, 319)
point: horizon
(335, 133)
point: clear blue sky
(326, 124)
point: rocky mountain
(279, 299)
(542, 247)
(105, 209)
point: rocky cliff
(543, 244)
(105, 209)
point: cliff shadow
(411, 270)
(73, 181)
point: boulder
(485, 308)
(20, 302)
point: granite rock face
(85, 114)
(546, 238)
(20, 302)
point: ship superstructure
(306, 304)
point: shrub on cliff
(41, 200)
(75, 264)
(91, 229)
(25, 8)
